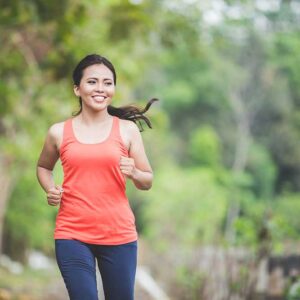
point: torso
(94, 207)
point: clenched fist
(54, 195)
(127, 166)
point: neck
(90, 117)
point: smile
(98, 98)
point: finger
(125, 173)
(53, 203)
(125, 159)
(54, 194)
(126, 168)
(53, 190)
(54, 197)
(54, 200)
(123, 163)
(126, 163)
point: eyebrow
(97, 78)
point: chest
(91, 135)
(96, 135)
(104, 155)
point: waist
(100, 225)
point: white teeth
(99, 98)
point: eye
(92, 81)
(108, 83)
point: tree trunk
(242, 145)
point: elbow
(41, 170)
(144, 183)
(148, 185)
(40, 166)
(145, 186)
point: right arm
(46, 163)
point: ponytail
(132, 113)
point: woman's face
(96, 87)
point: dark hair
(129, 112)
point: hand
(54, 195)
(127, 166)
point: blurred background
(222, 220)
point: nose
(100, 87)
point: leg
(77, 266)
(117, 265)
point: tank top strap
(67, 134)
(115, 131)
(68, 130)
(116, 136)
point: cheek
(111, 92)
(87, 90)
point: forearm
(142, 179)
(45, 178)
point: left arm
(136, 166)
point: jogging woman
(100, 147)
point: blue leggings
(117, 266)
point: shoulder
(55, 132)
(129, 132)
(129, 127)
(56, 129)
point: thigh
(76, 262)
(117, 265)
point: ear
(76, 90)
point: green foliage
(262, 170)
(294, 291)
(286, 58)
(29, 220)
(190, 282)
(285, 220)
(191, 210)
(204, 147)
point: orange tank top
(94, 207)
